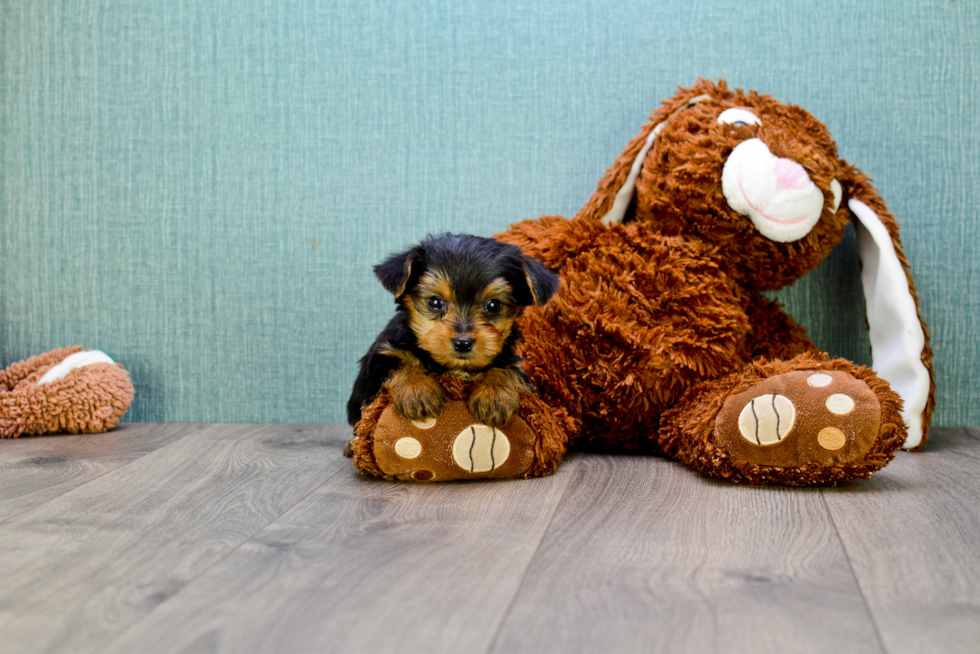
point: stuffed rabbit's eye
(436, 304)
(738, 117)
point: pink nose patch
(790, 174)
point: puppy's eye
(436, 304)
(492, 307)
(738, 117)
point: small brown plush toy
(70, 390)
(659, 338)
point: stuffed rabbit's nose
(790, 174)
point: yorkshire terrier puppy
(458, 297)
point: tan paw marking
(840, 404)
(408, 447)
(428, 423)
(831, 438)
(819, 380)
(480, 448)
(767, 419)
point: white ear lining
(625, 194)
(838, 192)
(897, 339)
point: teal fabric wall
(200, 187)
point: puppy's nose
(462, 345)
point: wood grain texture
(645, 555)
(913, 538)
(36, 469)
(366, 565)
(250, 538)
(81, 568)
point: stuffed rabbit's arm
(662, 303)
(552, 240)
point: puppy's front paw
(493, 403)
(494, 410)
(419, 398)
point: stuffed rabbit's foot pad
(823, 417)
(451, 446)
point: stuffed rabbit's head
(757, 178)
(760, 182)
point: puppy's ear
(395, 272)
(541, 282)
(900, 351)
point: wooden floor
(262, 538)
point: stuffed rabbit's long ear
(900, 349)
(615, 192)
(612, 200)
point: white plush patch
(767, 419)
(625, 194)
(428, 423)
(408, 447)
(77, 360)
(480, 448)
(776, 194)
(840, 404)
(897, 339)
(819, 380)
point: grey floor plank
(242, 538)
(36, 469)
(644, 555)
(366, 565)
(913, 538)
(81, 568)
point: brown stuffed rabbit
(659, 338)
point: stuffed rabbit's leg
(629, 331)
(807, 421)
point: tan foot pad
(806, 416)
(451, 447)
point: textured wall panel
(200, 187)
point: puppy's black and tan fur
(458, 297)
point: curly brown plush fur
(87, 400)
(698, 409)
(668, 298)
(659, 338)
